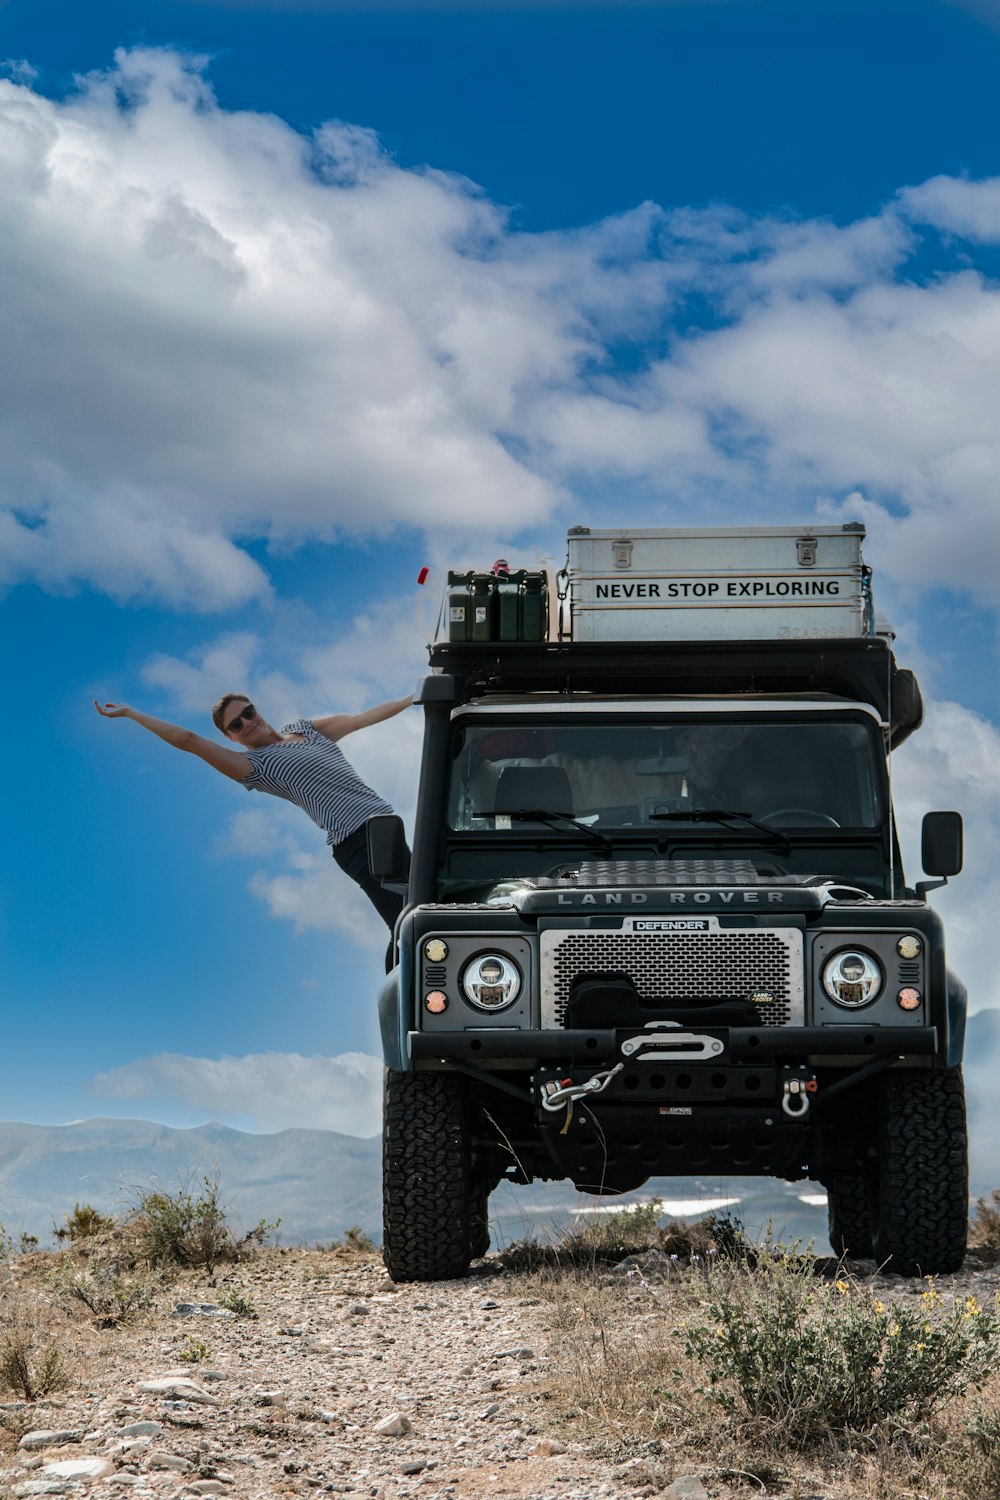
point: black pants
(351, 855)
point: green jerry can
(535, 607)
(509, 592)
(484, 607)
(459, 606)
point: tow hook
(796, 1086)
(562, 1095)
(556, 1096)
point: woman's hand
(112, 710)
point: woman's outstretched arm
(335, 726)
(231, 763)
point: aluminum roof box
(748, 583)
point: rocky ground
(342, 1384)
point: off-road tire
(849, 1218)
(920, 1205)
(427, 1197)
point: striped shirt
(316, 775)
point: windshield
(796, 773)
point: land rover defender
(657, 921)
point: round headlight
(851, 978)
(491, 981)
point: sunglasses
(247, 715)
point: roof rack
(862, 669)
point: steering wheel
(792, 814)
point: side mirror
(941, 843)
(387, 847)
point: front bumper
(817, 1044)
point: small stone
(396, 1425)
(212, 1375)
(201, 1309)
(292, 1333)
(160, 1460)
(80, 1468)
(387, 1286)
(416, 1467)
(46, 1439)
(141, 1429)
(421, 1307)
(40, 1487)
(134, 1445)
(687, 1487)
(490, 1410)
(548, 1448)
(205, 1487)
(515, 1354)
(488, 1304)
(360, 1310)
(180, 1387)
(268, 1398)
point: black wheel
(849, 1218)
(427, 1197)
(920, 1205)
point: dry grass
(633, 1383)
(34, 1353)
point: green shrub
(194, 1351)
(82, 1224)
(356, 1239)
(816, 1358)
(984, 1228)
(187, 1229)
(111, 1296)
(31, 1363)
(29, 1372)
(235, 1302)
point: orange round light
(908, 999)
(436, 1002)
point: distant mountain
(319, 1183)
(316, 1181)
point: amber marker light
(436, 1002)
(908, 999)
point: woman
(303, 763)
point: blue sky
(295, 299)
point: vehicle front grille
(677, 968)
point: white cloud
(273, 1090)
(957, 206)
(220, 330)
(953, 762)
(19, 69)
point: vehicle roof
(692, 704)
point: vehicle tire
(849, 1218)
(920, 1206)
(427, 1196)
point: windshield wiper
(721, 815)
(552, 819)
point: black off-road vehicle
(658, 925)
